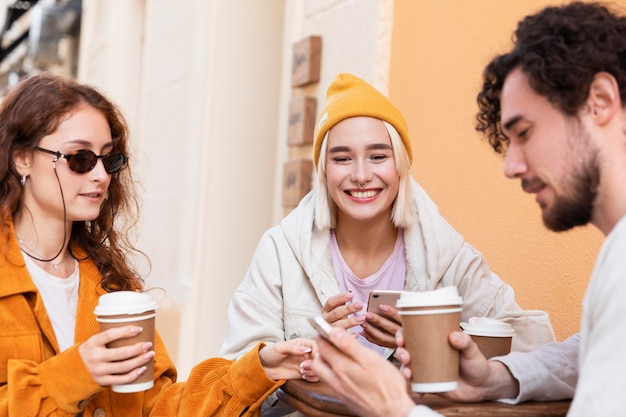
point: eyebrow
(511, 122)
(373, 146)
(87, 143)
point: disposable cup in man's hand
(428, 318)
(127, 308)
(493, 337)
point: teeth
(363, 194)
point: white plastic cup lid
(486, 326)
(124, 302)
(441, 297)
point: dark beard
(576, 208)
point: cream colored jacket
(291, 277)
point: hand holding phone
(322, 326)
(378, 297)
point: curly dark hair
(35, 108)
(560, 49)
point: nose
(514, 162)
(99, 172)
(361, 172)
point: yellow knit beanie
(349, 96)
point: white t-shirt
(602, 368)
(60, 297)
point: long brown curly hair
(560, 49)
(34, 108)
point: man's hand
(366, 382)
(479, 379)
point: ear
(604, 98)
(23, 161)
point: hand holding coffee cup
(493, 337)
(128, 308)
(428, 318)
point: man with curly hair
(554, 106)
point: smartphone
(378, 297)
(322, 326)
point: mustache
(532, 185)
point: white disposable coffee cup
(493, 337)
(428, 318)
(128, 308)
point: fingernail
(149, 355)
(147, 345)
(384, 307)
(305, 349)
(141, 370)
(136, 330)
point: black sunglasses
(83, 160)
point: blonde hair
(403, 213)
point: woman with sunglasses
(66, 197)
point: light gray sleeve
(549, 373)
(486, 295)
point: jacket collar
(14, 277)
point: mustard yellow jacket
(38, 380)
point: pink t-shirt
(390, 276)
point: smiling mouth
(362, 194)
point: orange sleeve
(219, 386)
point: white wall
(198, 82)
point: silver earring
(23, 180)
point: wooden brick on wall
(297, 177)
(301, 120)
(307, 55)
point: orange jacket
(38, 380)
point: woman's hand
(115, 366)
(289, 359)
(381, 330)
(338, 309)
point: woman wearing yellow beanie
(368, 225)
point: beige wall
(438, 52)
